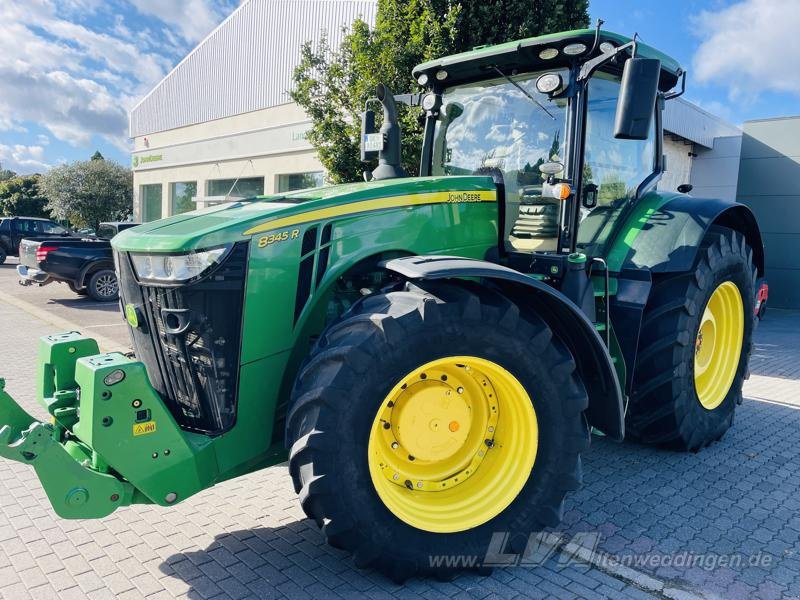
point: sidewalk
(248, 538)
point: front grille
(189, 339)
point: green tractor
(431, 353)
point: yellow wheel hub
(718, 345)
(453, 444)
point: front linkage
(110, 441)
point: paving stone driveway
(644, 508)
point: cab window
(52, 228)
(615, 168)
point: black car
(14, 229)
(86, 265)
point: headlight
(176, 268)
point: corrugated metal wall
(694, 124)
(246, 64)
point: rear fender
(566, 320)
(664, 232)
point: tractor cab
(568, 127)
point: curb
(105, 344)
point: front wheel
(694, 347)
(103, 286)
(428, 419)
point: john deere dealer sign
(279, 139)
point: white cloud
(748, 47)
(194, 19)
(22, 158)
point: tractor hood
(237, 221)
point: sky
(70, 70)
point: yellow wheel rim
(453, 444)
(718, 345)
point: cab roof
(524, 55)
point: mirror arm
(671, 95)
(590, 66)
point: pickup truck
(85, 265)
(14, 229)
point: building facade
(769, 183)
(221, 125)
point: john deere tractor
(431, 353)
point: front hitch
(74, 489)
(110, 442)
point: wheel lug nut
(460, 390)
(395, 445)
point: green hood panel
(227, 223)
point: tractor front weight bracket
(110, 440)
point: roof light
(549, 83)
(607, 47)
(422, 79)
(574, 49)
(441, 75)
(548, 53)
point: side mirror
(371, 141)
(637, 98)
(589, 196)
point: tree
(21, 196)
(333, 84)
(97, 156)
(6, 173)
(88, 192)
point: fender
(664, 232)
(567, 321)
(80, 280)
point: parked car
(14, 229)
(85, 265)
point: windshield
(507, 130)
(493, 128)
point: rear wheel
(103, 286)
(427, 419)
(3, 256)
(694, 347)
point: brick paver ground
(247, 537)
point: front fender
(565, 319)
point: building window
(181, 194)
(243, 188)
(299, 181)
(150, 196)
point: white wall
(264, 143)
(679, 164)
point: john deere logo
(135, 161)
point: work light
(176, 268)
(548, 53)
(549, 83)
(574, 49)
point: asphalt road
(56, 303)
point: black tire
(77, 290)
(358, 360)
(103, 286)
(664, 407)
(3, 256)
(762, 310)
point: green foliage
(97, 156)
(21, 196)
(88, 192)
(6, 174)
(332, 84)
